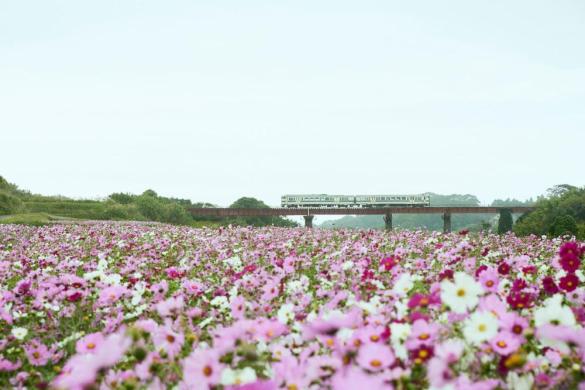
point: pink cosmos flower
(170, 307)
(37, 353)
(79, 372)
(258, 385)
(439, 373)
(422, 333)
(330, 325)
(375, 357)
(450, 350)
(89, 343)
(493, 304)
(266, 330)
(354, 378)
(174, 273)
(490, 279)
(464, 383)
(193, 287)
(514, 323)
(160, 289)
(505, 343)
(110, 295)
(201, 369)
(7, 365)
(166, 339)
(238, 306)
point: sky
(214, 100)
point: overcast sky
(213, 100)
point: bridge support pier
(447, 222)
(308, 221)
(388, 221)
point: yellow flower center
(482, 327)
(424, 336)
(375, 363)
(207, 371)
(461, 292)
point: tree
(253, 203)
(249, 203)
(150, 193)
(505, 222)
(9, 204)
(150, 207)
(175, 213)
(561, 212)
(560, 189)
(564, 224)
(122, 198)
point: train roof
(355, 194)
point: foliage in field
(148, 206)
(561, 212)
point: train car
(317, 200)
(349, 201)
(393, 200)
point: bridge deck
(229, 212)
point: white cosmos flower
(518, 382)
(554, 313)
(403, 284)
(230, 376)
(221, 302)
(398, 335)
(286, 313)
(462, 294)
(480, 326)
(347, 265)
(19, 333)
(234, 262)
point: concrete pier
(447, 222)
(308, 221)
(388, 221)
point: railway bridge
(386, 212)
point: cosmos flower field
(103, 306)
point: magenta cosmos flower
(569, 282)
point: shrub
(9, 204)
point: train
(357, 201)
